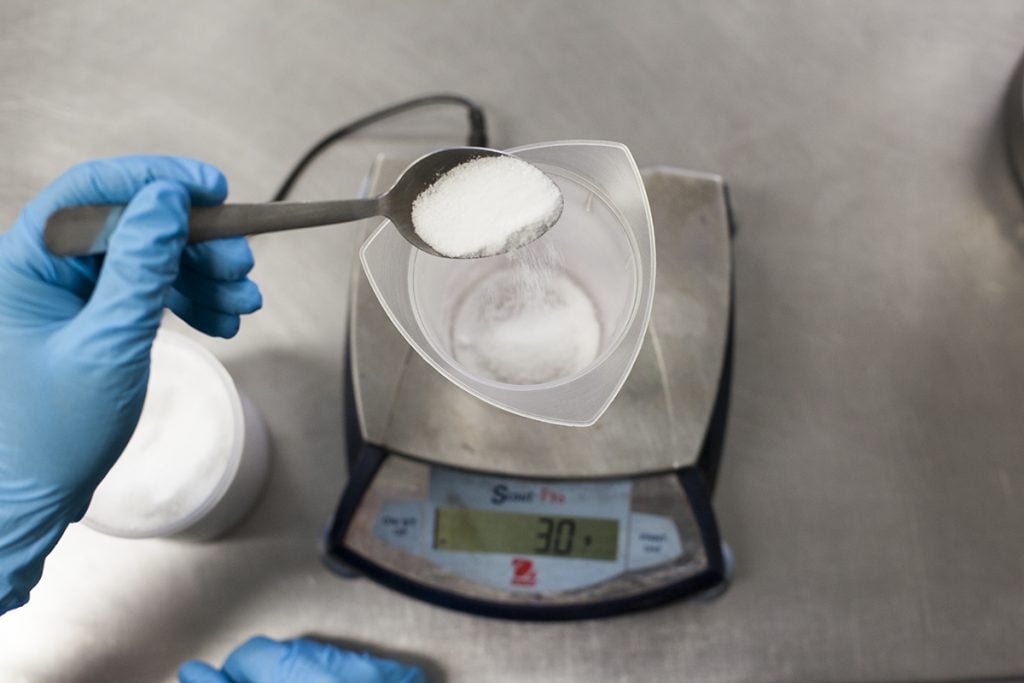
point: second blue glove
(262, 660)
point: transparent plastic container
(604, 242)
(149, 492)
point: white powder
(179, 450)
(526, 324)
(486, 206)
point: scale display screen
(489, 531)
(552, 538)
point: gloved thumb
(142, 262)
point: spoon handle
(84, 230)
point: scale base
(385, 529)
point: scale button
(400, 524)
(653, 539)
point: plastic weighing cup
(604, 242)
(199, 456)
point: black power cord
(477, 131)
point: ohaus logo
(523, 572)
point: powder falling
(486, 206)
(529, 323)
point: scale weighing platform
(464, 505)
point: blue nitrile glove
(262, 660)
(75, 337)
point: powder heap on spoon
(486, 206)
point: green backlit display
(487, 531)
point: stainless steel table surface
(873, 482)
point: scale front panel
(510, 546)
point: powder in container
(486, 206)
(180, 451)
(529, 323)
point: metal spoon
(83, 230)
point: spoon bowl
(85, 230)
(396, 203)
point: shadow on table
(998, 182)
(300, 398)
(189, 604)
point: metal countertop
(872, 486)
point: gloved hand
(75, 337)
(262, 660)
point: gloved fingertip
(242, 260)
(202, 319)
(254, 657)
(200, 672)
(212, 186)
(253, 298)
(227, 327)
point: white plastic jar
(198, 458)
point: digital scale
(462, 504)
